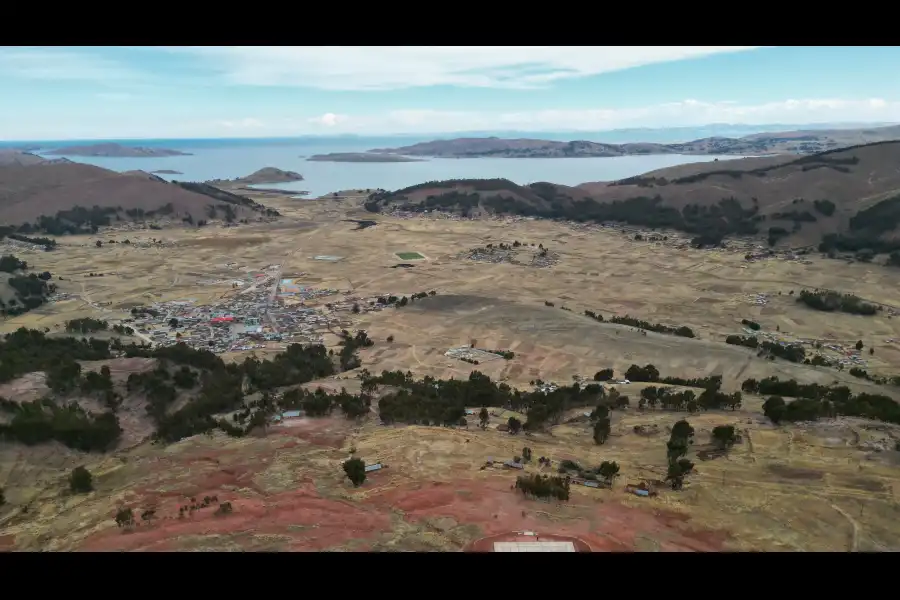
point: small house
(374, 467)
(290, 414)
(513, 465)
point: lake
(228, 159)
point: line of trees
(682, 331)
(544, 486)
(813, 401)
(830, 301)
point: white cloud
(395, 67)
(56, 64)
(328, 120)
(676, 114)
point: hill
(115, 151)
(796, 142)
(850, 196)
(54, 197)
(262, 176)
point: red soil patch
(498, 510)
(308, 522)
(321, 432)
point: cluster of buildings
(253, 317)
(758, 299)
(13, 246)
(262, 310)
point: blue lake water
(228, 159)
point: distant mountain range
(807, 141)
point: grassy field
(815, 487)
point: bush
(81, 481)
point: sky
(55, 93)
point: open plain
(793, 487)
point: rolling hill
(45, 195)
(850, 196)
(110, 150)
(795, 142)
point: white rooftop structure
(534, 547)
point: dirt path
(854, 541)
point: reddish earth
(308, 522)
(496, 509)
(328, 432)
(302, 519)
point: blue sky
(190, 92)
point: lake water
(228, 159)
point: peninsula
(790, 142)
(115, 151)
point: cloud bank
(423, 121)
(397, 67)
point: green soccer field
(410, 256)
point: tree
(355, 468)
(173, 323)
(678, 470)
(483, 417)
(724, 436)
(600, 413)
(676, 449)
(81, 481)
(774, 408)
(390, 339)
(124, 517)
(682, 429)
(609, 470)
(601, 431)
(2, 497)
(526, 454)
(859, 345)
(355, 309)
(99, 243)
(514, 425)
(603, 375)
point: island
(167, 172)
(262, 176)
(115, 151)
(363, 157)
(789, 142)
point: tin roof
(290, 414)
(375, 467)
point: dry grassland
(788, 488)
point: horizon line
(463, 133)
